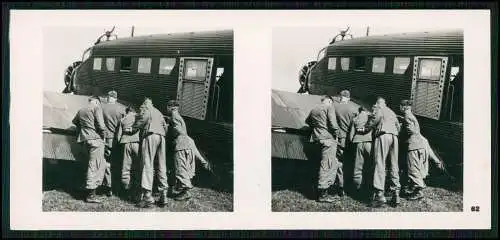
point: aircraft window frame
(431, 77)
(380, 69)
(198, 77)
(108, 64)
(168, 65)
(129, 68)
(94, 65)
(396, 69)
(345, 63)
(332, 63)
(144, 69)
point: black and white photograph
(367, 118)
(257, 119)
(137, 118)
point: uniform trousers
(153, 152)
(96, 164)
(386, 151)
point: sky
(293, 47)
(64, 45)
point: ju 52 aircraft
(426, 67)
(195, 68)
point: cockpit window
(86, 54)
(321, 54)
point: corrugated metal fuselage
(212, 133)
(444, 132)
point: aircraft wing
(59, 133)
(290, 133)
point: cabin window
(332, 63)
(195, 70)
(360, 63)
(430, 69)
(378, 65)
(125, 63)
(97, 63)
(110, 64)
(344, 64)
(401, 64)
(144, 65)
(166, 65)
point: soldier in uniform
(91, 131)
(386, 129)
(153, 130)
(130, 145)
(361, 137)
(417, 156)
(112, 113)
(324, 126)
(185, 153)
(345, 112)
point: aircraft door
(193, 86)
(427, 85)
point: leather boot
(147, 201)
(395, 201)
(416, 195)
(324, 197)
(183, 195)
(163, 199)
(378, 199)
(92, 197)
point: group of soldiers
(345, 134)
(143, 141)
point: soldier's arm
(76, 121)
(177, 125)
(140, 120)
(352, 131)
(374, 120)
(309, 120)
(101, 127)
(332, 120)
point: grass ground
(203, 200)
(292, 193)
(436, 200)
(61, 192)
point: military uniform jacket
(126, 123)
(345, 112)
(181, 139)
(150, 121)
(323, 122)
(359, 122)
(412, 127)
(90, 123)
(384, 121)
(112, 113)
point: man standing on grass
(386, 130)
(362, 140)
(131, 162)
(91, 131)
(112, 113)
(419, 154)
(153, 130)
(185, 153)
(324, 126)
(345, 112)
